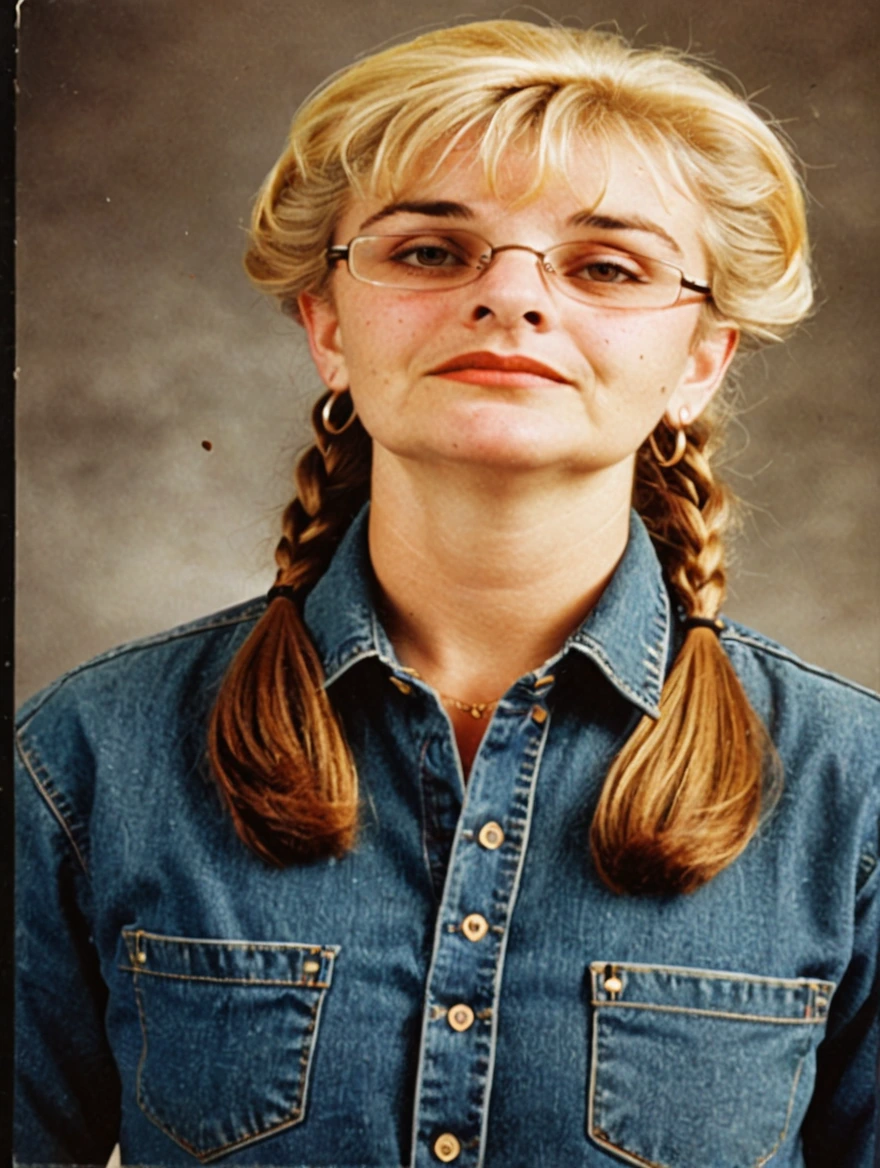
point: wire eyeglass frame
(474, 263)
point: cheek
(382, 334)
(386, 342)
(639, 352)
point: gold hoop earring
(328, 409)
(680, 443)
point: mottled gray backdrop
(146, 126)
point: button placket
(461, 1006)
(441, 804)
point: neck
(465, 557)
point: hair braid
(687, 511)
(332, 483)
(276, 746)
(684, 796)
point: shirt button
(475, 926)
(446, 1148)
(491, 836)
(460, 1017)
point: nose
(513, 288)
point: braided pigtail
(686, 793)
(275, 744)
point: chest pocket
(693, 1068)
(229, 1032)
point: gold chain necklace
(475, 709)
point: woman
(522, 855)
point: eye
(429, 254)
(604, 272)
(590, 265)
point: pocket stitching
(297, 1113)
(596, 969)
(605, 1140)
(326, 950)
(295, 1116)
(794, 1086)
(767, 1018)
(246, 981)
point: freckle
(206, 445)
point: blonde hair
(686, 792)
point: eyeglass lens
(586, 269)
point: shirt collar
(627, 634)
(340, 610)
(629, 631)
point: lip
(496, 368)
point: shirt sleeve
(841, 1124)
(67, 1091)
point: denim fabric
(461, 988)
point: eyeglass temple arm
(338, 252)
(695, 286)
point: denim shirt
(461, 988)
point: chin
(505, 436)
(514, 452)
(498, 439)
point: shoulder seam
(32, 768)
(733, 634)
(143, 643)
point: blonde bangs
(392, 120)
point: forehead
(612, 181)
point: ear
(707, 364)
(321, 323)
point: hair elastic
(285, 591)
(704, 622)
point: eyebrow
(445, 209)
(631, 223)
(439, 209)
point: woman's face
(415, 361)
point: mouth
(485, 368)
